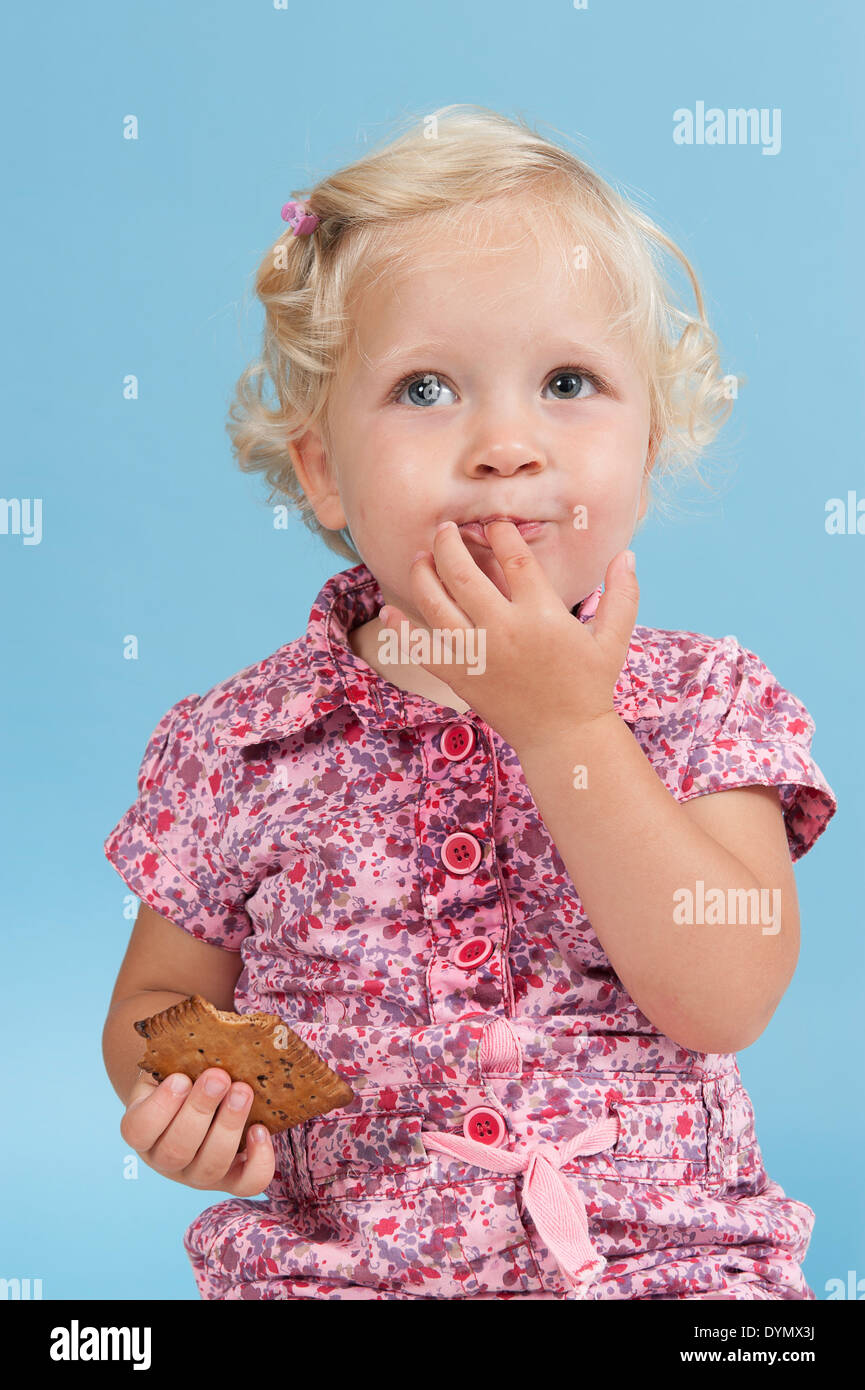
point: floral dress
(520, 1129)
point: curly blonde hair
(431, 179)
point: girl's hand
(178, 1136)
(537, 668)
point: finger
(218, 1150)
(525, 576)
(618, 605)
(437, 610)
(176, 1147)
(144, 1085)
(471, 590)
(253, 1169)
(433, 599)
(151, 1108)
(392, 620)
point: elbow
(725, 1037)
(707, 1034)
(718, 1043)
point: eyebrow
(563, 347)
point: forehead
(503, 271)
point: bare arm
(629, 846)
(163, 964)
(191, 1136)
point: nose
(505, 457)
(504, 434)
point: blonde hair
(425, 180)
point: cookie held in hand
(290, 1082)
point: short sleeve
(167, 845)
(750, 730)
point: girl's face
(475, 388)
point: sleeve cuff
(807, 800)
(161, 885)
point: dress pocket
(660, 1142)
(372, 1154)
(463, 1240)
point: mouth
(474, 530)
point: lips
(474, 530)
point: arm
(163, 964)
(191, 1137)
(629, 846)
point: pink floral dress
(520, 1128)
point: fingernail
(443, 526)
(630, 560)
(178, 1084)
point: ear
(310, 459)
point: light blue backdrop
(137, 257)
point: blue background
(138, 257)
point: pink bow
(554, 1205)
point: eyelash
(596, 381)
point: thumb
(618, 605)
(144, 1084)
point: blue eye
(429, 388)
(424, 388)
(581, 378)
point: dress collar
(309, 679)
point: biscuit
(290, 1082)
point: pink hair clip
(301, 221)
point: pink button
(485, 1126)
(473, 952)
(457, 742)
(461, 853)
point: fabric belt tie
(554, 1204)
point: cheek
(386, 474)
(603, 506)
(611, 434)
(362, 518)
(607, 461)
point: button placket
(462, 897)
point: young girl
(516, 866)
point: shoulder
(253, 701)
(703, 682)
(243, 708)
